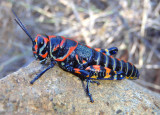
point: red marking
(88, 68)
(52, 36)
(88, 46)
(44, 55)
(107, 70)
(83, 61)
(111, 56)
(69, 39)
(118, 59)
(36, 39)
(77, 70)
(34, 52)
(125, 61)
(62, 42)
(103, 53)
(97, 49)
(63, 37)
(37, 36)
(46, 40)
(55, 48)
(36, 47)
(71, 49)
(96, 67)
(77, 57)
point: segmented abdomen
(115, 64)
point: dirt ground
(131, 26)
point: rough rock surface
(59, 92)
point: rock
(59, 92)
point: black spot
(107, 103)
(119, 111)
(44, 51)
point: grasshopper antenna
(22, 26)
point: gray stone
(59, 92)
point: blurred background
(130, 25)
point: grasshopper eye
(40, 42)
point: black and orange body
(71, 54)
(89, 63)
